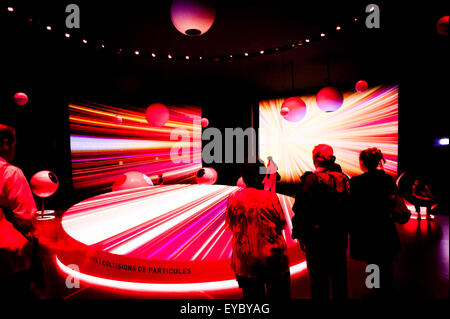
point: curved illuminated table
(169, 238)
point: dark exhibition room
(230, 156)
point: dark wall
(407, 50)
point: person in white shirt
(17, 209)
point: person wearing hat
(320, 224)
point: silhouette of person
(256, 220)
(423, 197)
(319, 224)
(17, 209)
(270, 180)
(160, 179)
(373, 235)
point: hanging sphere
(361, 86)
(192, 17)
(131, 180)
(329, 99)
(296, 109)
(157, 114)
(442, 26)
(240, 182)
(118, 119)
(44, 184)
(284, 111)
(20, 98)
(204, 122)
(206, 175)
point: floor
(422, 270)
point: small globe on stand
(206, 175)
(44, 184)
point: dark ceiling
(341, 58)
(53, 70)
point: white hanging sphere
(192, 17)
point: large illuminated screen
(108, 141)
(368, 119)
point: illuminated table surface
(169, 238)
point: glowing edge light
(151, 287)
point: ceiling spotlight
(293, 45)
(322, 35)
(169, 56)
(154, 55)
(338, 28)
(261, 52)
(231, 55)
(246, 53)
(307, 40)
(84, 41)
(276, 49)
(49, 28)
(187, 57)
(201, 58)
(10, 9)
(67, 35)
(103, 46)
(355, 19)
(136, 52)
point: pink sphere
(157, 114)
(204, 122)
(44, 183)
(131, 180)
(118, 119)
(296, 109)
(442, 26)
(329, 99)
(192, 17)
(206, 175)
(20, 98)
(361, 86)
(284, 111)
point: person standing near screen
(17, 209)
(256, 219)
(270, 180)
(320, 224)
(373, 235)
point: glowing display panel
(368, 119)
(107, 141)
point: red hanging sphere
(204, 122)
(442, 26)
(361, 86)
(20, 98)
(157, 114)
(329, 99)
(296, 109)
